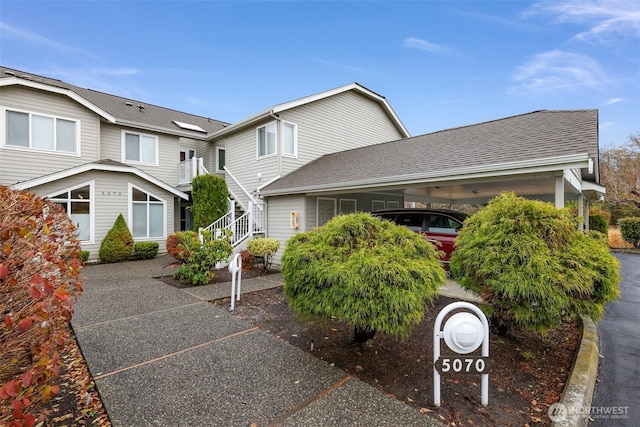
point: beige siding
(242, 162)
(169, 152)
(333, 124)
(363, 204)
(278, 226)
(341, 122)
(22, 164)
(111, 199)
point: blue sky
(439, 64)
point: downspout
(278, 139)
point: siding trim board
(48, 88)
(98, 167)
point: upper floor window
(78, 204)
(267, 140)
(220, 160)
(41, 132)
(289, 139)
(139, 148)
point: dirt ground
(527, 373)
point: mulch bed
(528, 372)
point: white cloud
(558, 70)
(607, 21)
(344, 67)
(612, 101)
(31, 37)
(420, 44)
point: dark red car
(439, 226)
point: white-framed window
(35, 131)
(393, 204)
(377, 205)
(267, 136)
(139, 148)
(147, 214)
(220, 159)
(348, 206)
(78, 203)
(289, 139)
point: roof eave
(100, 167)
(10, 81)
(575, 161)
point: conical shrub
(118, 243)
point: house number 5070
(478, 365)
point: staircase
(243, 227)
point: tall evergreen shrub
(210, 194)
(118, 243)
(368, 272)
(528, 260)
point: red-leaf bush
(39, 281)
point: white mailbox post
(235, 268)
(464, 332)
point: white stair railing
(243, 227)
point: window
(78, 204)
(289, 139)
(40, 132)
(267, 140)
(139, 148)
(220, 160)
(147, 214)
(377, 205)
(348, 206)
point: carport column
(560, 191)
(581, 226)
(586, 215)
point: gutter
(504, 169)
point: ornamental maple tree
(39, 281)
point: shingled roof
(538, 135)
(126, 111)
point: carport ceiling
(538, 186)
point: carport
(549, 155)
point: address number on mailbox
(465, 365)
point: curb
(572, 410)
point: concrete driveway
(616, 400)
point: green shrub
(630, 230)
(210, 194)
(84, 255)
(180, 244)
(599, 223)
(264, 249)
(145, 250)
(197, 268)
(371, 273)
(530, 263)
(622, 210)
(40, 281)
(118, 243)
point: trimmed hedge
(264, 248)
(145, 250)
(599, 223)
(630, 230)
(371, 273)
(532, 265)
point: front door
(187, 154)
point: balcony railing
(189, 169)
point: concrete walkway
(162, 356)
